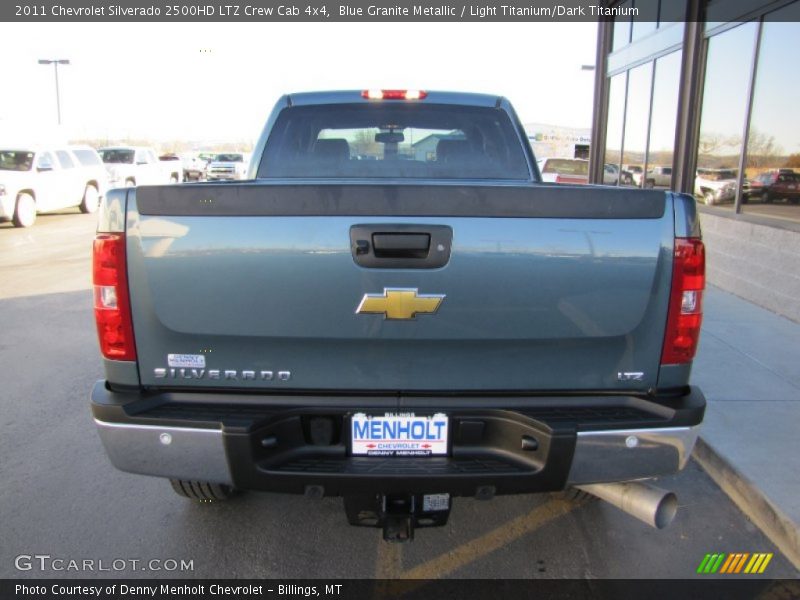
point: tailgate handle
(401, 246)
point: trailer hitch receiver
(398, 514)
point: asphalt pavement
(62, 498)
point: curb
(770, 519)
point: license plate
(398, 435)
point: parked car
(635, 172)
(128, 166)
(195, 165)
(564, 170)
(714, 186)
(610, 174)
(658, 177)
(229, 166)
(773, 185)
(625, 177)
(36, 180)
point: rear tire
(766, 198)
(91, 200)
(130, 183)
(708, 198)
(202, 491)
(174, 179)
(25, 211)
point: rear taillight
(394, 94)
(112, 310)
(685, 302)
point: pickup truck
(228, 166)
(129, 166)
(399, 331)
(715, 186)
(195, 164)
(658, 177)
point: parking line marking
(489, 542)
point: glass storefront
(745, 150)
(664, 115)
(642, 113)
(771, 185)
(728, 67)
(637, 111)
(616, 118)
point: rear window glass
(115, 155)
(16, 160)
(229, 158)
(88, 158)
(566, 166)
(389, 140)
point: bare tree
(364, 144)
(762, 151)
(709, 143)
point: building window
(663, 120)
(622, 28)
(772, 162)
(616, 119)
(722, 121)
(637, 113)
(646, 21)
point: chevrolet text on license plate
(399, 435)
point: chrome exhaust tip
(649, 504)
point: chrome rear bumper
(199, 454)
(173, 452)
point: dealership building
(703, 96)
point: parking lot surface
(61, 497)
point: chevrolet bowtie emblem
(399, 303)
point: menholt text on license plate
(399, 435)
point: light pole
(55, 63)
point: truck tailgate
(546, 288)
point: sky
(218, 82)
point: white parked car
(228, 165)
(610, 174)
(714, 186)
(564, 170)
(658, 177)
(128, 166)
(635, 173)
(37, 180)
